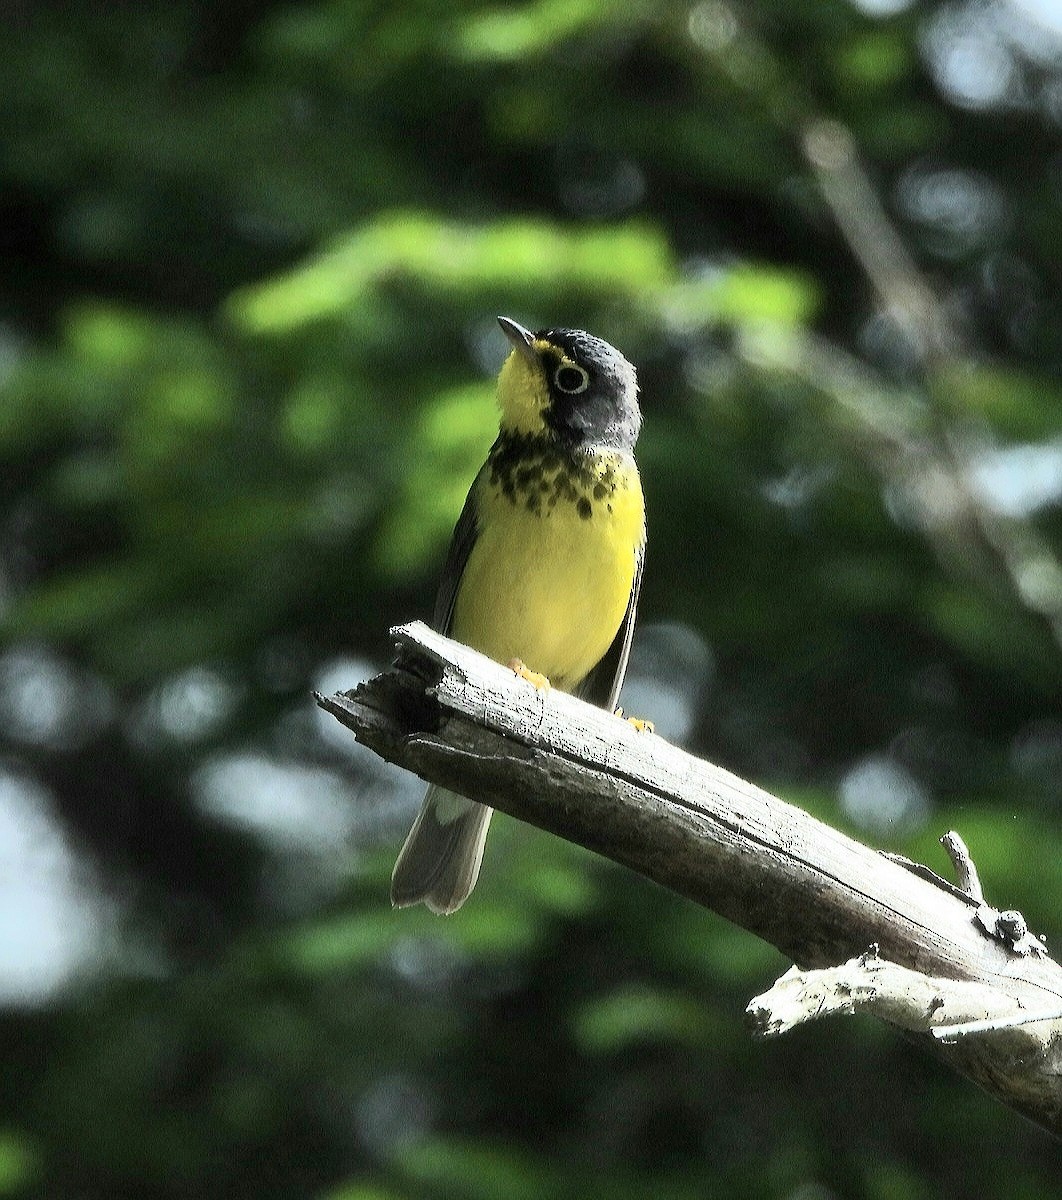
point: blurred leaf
(18, 1162)
(991, 635)
(359, 1191)
(479, 1172)
(77, 603)
(556, 886)
(1019, 406)
(633, 1015)
(339, 943)
(514, 33)
(750, 293)
(440, 462)
(504, 258)
(874, 59)
(700, 944)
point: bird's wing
(464, 538)
(610, 671)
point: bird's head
(566, 385)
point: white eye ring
(571, 379)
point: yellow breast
(550, 575)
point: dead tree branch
(928, 955)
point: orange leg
(537, 681)
(637, 723)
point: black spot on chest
(535, 474)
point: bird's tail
(439, 862)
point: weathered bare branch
(947, 1009)
(458, 719)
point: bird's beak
(521, 338)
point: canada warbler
(545, 564)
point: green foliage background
(252, 255)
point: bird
(544, 567)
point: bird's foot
(539, 682)
(637, 722)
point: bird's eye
(571, 379)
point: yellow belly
(547, 583)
